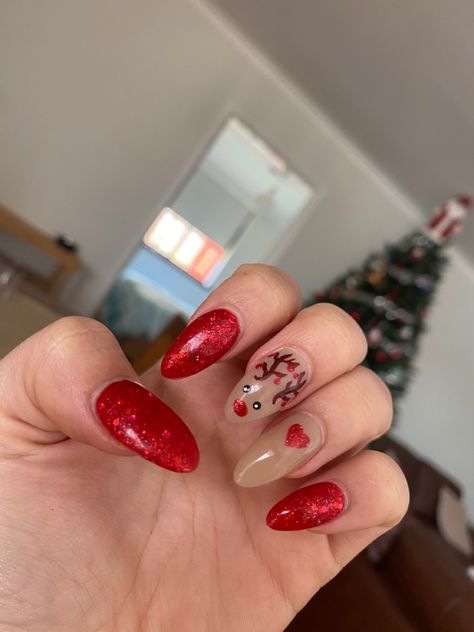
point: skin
(94, 538)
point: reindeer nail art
(269, 386)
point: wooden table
(20, 317)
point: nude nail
(279, 451)
(269, 386)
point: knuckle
(347, 332)
(68, 332)
(376, 399)
(396, 495)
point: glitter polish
(307, 507)
(269, 385)
(144, 423)
(203, 342)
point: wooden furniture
(156, 349)
(65, 262)
(20, 317)
(410, 580)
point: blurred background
(148, 148)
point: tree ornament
(395, 376)
(380, 356)
(392, 295)
(374, 336)
(376, 277)
(395, 354)
(351, 282)
(448, 219)
(417, 254)
(406, 332)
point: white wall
(438, 413)
(105, 106)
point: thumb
(72, 380)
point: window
(183, 244)
(237, 204)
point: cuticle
(104, 385)
(343, 489)
(227, 307)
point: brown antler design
(268, 371)
(291, 390)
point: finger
(72, 380)
(363, 493)
(341, 417)
(252, 304)
(320, 344)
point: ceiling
(397, 77)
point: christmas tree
(391, 294)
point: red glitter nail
(307, 507)
(202, 343)
(141, 421)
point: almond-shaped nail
(202, 343)
(268, 386)
(307, 507)
(279, 451)
(144, 423)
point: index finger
(254, 303)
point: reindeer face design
(268, 386)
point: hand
(93, 537)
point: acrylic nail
(144, 423)
(204, 341)
(269, 385)
(279, 451)
(307, 507)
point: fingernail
(144, 423)
(279, 451)
(202, 343)
(269, 386)
(307, 507)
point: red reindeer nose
(240, 407)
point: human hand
(92, 537)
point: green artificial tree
(391, 294)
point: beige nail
(279, 451)
(268, 386)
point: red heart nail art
(296, 437)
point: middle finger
(319, 345)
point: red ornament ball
(380, 356)
(417, 254)
(374, 336)
(396, 354)
(320, 296)
(355, 316)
